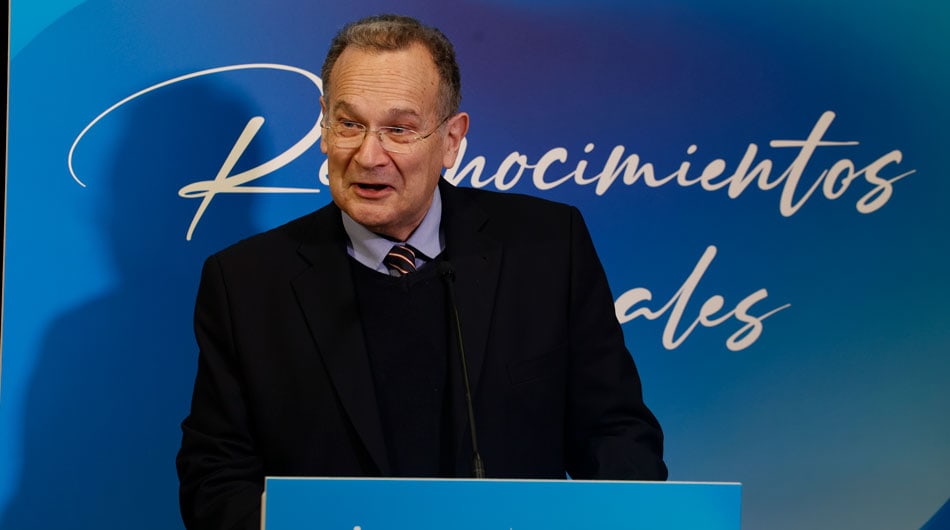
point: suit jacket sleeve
(611, 434)
(220, 474)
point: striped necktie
(400, 260)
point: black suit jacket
(284, 384)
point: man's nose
(371, 152)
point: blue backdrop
(765, 185)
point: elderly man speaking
(346, 342)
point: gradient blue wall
(832, 412)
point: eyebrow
(394, 113)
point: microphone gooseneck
(448, 276)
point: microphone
(448, 276)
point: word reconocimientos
(799, 182)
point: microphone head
(446, 270)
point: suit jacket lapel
(326, 295)
(476, 258)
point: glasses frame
(379, 132)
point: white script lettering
(799, 182)
(224, 182)
(627, 310)
(833, 182)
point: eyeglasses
(348, 134)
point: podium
(462, 504)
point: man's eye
(347, 124)
(398, 131)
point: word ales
(745, 336)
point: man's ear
(323, 133)
(456, 128)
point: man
(318, 358)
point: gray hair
(396, 32)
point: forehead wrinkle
(389, 85)
(383, 81)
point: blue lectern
(422, 504)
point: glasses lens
(398, 139)
(350, 135)
(347, 134)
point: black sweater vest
(405, 326)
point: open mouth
(374, 187)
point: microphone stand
(448, 275)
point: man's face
(386, 192)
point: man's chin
(376, 218)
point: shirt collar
(369, 248)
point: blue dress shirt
(370, 248)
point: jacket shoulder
(509, 210)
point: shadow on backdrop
(113, 378)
